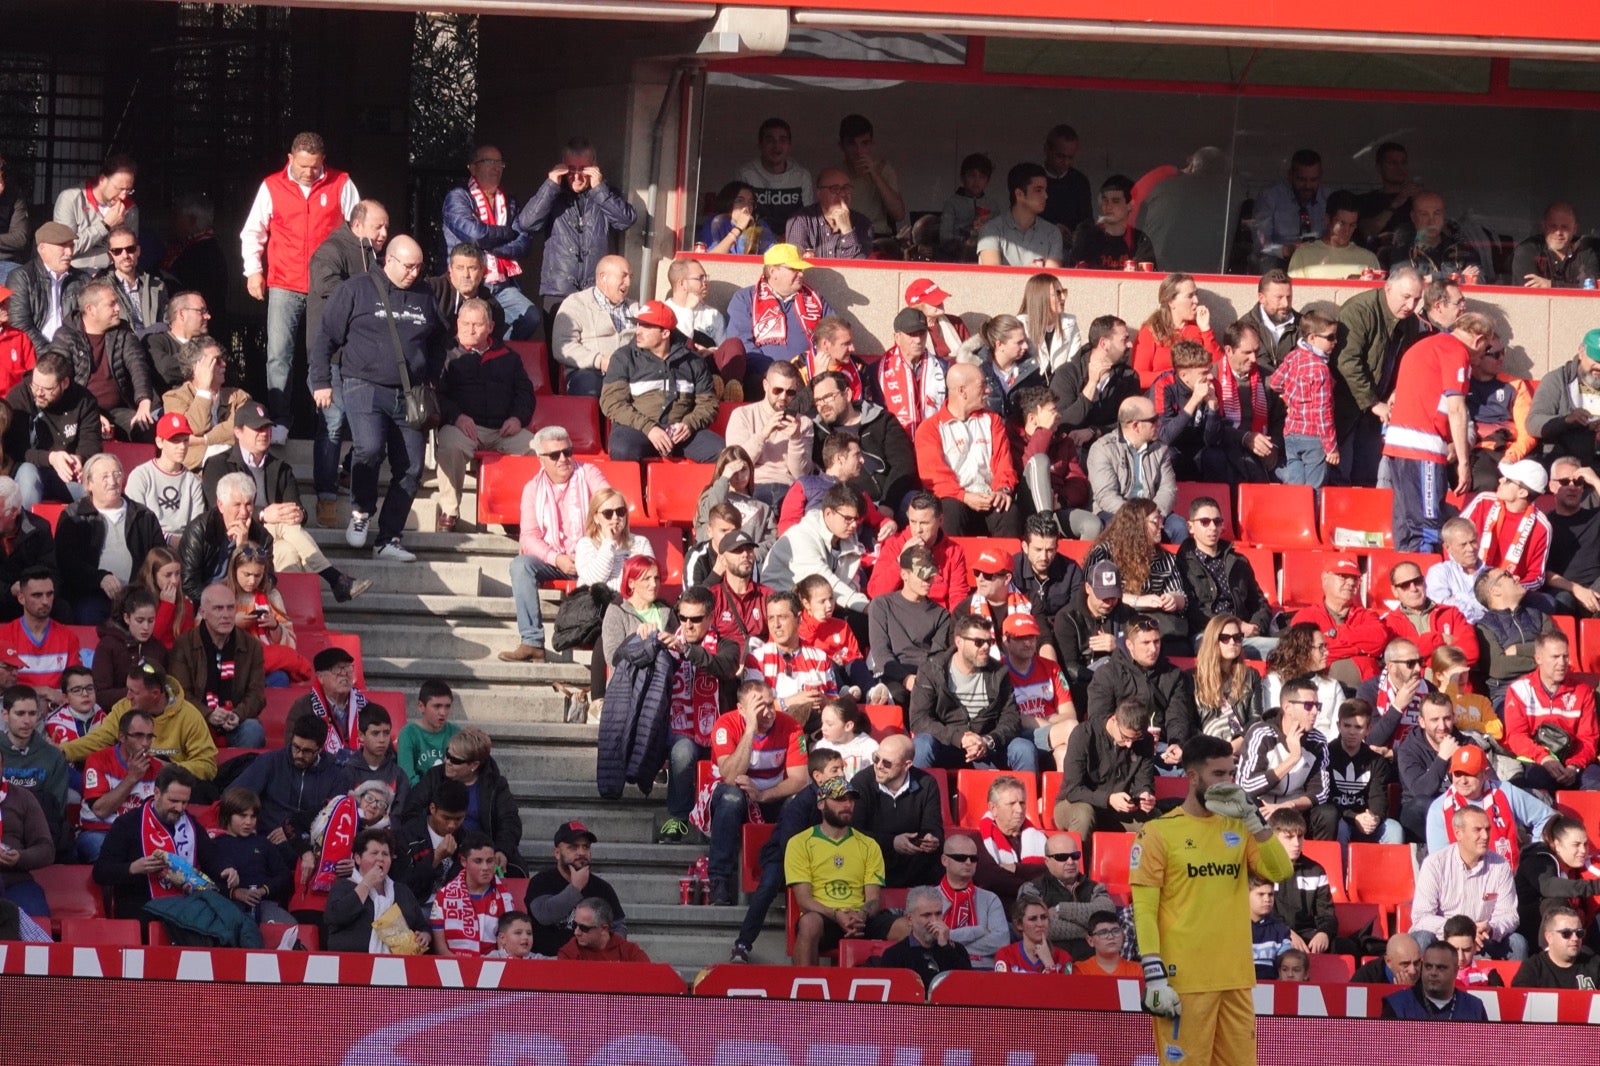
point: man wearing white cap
(1513, 534)
(772, 320)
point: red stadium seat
(71, 891)
(1568, 625)
(972, 794)
(941, 778)
(302, 599)
(791, 919)
(500, 482)
(1381, 874)
(274, 716)
(1329, 854)
(1402, 918)
(667, 544)
(1302, 576)
(719, 425)
(1008, 547)
(1584, 806)
(131, 454)
(886, 718)
(1171, 788)
(578, 415)
(857, 952)
(755, 835)
(1076, 550)
(625, 476)
(674, 488)
(535, 358)
(1586, 657)
(1265, 568)
(1189, 491)
(1380, 594)
(1357, 510)
(101, 932)
(50, 512)
(1049, 789)
(1277, 516)
(1110, 860)
(1329, 969)
(1358, 919)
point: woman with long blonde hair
(1227, 690)
(607, 540)
(1179, 316)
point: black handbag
(1554, 739)
(422, 405)
(578, 619)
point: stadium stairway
(448, 615)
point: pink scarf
(769, 322)
(999, 846)
(494, 214)
(1228, 389)
(962, 909)
(549, 502)
(911, 395)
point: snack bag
(396, 935)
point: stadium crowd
(1007, 548)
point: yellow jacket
(182, 735)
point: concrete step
(423, 577)
(465, 640)
(629, 826)
(693, 952)
(493, 708)
(381, 608)
(490, 670)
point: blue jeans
(328, 441)
(6, 267)
(249, 733)
(682, 775)
(90, 841)
(522, 315)
(1389, 832)
(584, 382)
(377, 418)
(1021, 756)
(39, 483)
(1305, 461)
(729, 811)
(628, 444)
(1513, 947)
(1361, 452)
(755, 915)
(526, 573)
(29, 898)
(286, 313)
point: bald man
(1400, 965)
(902, 808)
(1130, 463)
(357, 320)
(964, 454)
(1433, 244)
(591, 325)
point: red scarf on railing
(494, 214)
(156, 837)
(322, 707)
(769, 322)
(962, 909)
(1502, 824)
(1228, 390)
(338, 842)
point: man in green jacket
(1375, 329)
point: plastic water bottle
(1588, 283)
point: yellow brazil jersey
(838, 871)
(1201, 867)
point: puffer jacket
(130, 363)
(1553, 401)
(644, 391)
(30, 298)
(462, 224)
(636, 724)
(577, 232)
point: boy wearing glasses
(1106, 937)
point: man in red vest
(294, 211)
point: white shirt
(253, 238)
(52, 321)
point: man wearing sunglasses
(1573, 576)
(1396, 693)
(1565, 962)
(902, 808)
(1426, 624)
(777, 439)
(1074, 900)
(963, 712)
(1284, 762)
(1219, 580)
(143, 295)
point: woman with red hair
(638, 611)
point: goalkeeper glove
(1230, 801)
(1159, 997)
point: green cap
(1591, 344)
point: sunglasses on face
(1230, 638)
(965, 856)
(1567, 934)
(127, 249)
(1065, 856)
(1207, 521)
(988, 576)
(557, 455)
(613, 512)
(1409, 583)
(455, 760)
(1409, 663)
(1566, 482)
(691, 619)
(579, 927)
(979, 642)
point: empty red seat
(302, 599)
(578, 415)
(131, 454)
(535, 358)
(858, 952)
(1076, 550)
(719, 425)
(666, 542)
(1357, 510)
(1049, 788)
(501, 479)
(1331, 856)
(886, 718)
(1380, 874)
(50, 512)
(674, 488)
(624, 476)
(1330, 969)
(101, 932)
(1111, 860)
(71, 891)
(1277, 516)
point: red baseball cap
(990, 561)
(9, 657)
(924, 291)
(1020, 625)
(172, 425)
(1342, 567)
(1468, 759)
(656, 313)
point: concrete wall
(1542, 330)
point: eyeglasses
(80, 690)
(579, 927)
(979, 642)
(613, 512)
(1410, 583)
(1567, 934)
(1308, 704)
(455, 760)
(1107, 932)
(990, 576)
(961, 856)
(887, 764)
(1139, 421)
(1230, 638)
(1208, 521)
(252, 554)
(557, 455)
(140, 736)
(850, 519)
(299, 749)
(126, 249)
(835, 189)
(1566, 482)
(1319, 647)
(1065, 856)
(820, 397)
(201, 311)
(691, 619)
(1410, 663)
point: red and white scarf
(322, 707)
(156, 837)
(961, 910)
(470, 925)
(696, 697)
(1502, 824)
(493, 214)
(1228, 389)
(338, 842)
(809, 371)
(1017, 602)
(911, 395)
(769, 321)
(1408, 713)
(999, 845)
(1530, 518)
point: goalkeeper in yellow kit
(1191, 906)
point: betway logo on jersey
(1215, 869)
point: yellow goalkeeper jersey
(1201, 868)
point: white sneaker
(394, 552)
(280, 434)
(355, 533)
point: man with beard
(555, 893)
(836, 875)
(889, 465)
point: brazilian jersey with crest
(1202, 868)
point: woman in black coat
(1551, 872)
(355, 902)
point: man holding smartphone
(777, 440)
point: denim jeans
(683, 775)
(249, 733)
(377, 418)
(584, 382)
(729, 811)
(755, 915)
(39, 483)
(286, 313)
(526, 573)
(1389, 832)
(1021, 756)
(628, 444)
(90, 841)
(28, 896)
(522, 315)
(328, 441)
(1305, 461)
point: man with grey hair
(485, 403)
(108, 360)
(187, 316)
(26, 542)
(594, 940)
(204, 398)
(555, 506)
(1375, 329)
(210, 540)
(927, 949)
(102, 540)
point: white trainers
(355, 533)
(394, 552)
